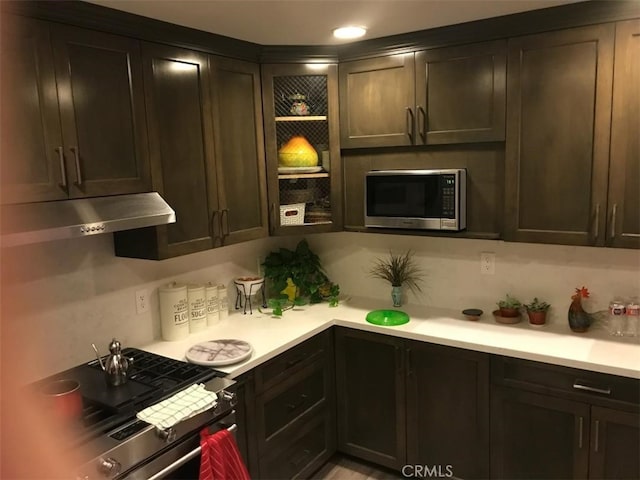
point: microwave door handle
(182, 460)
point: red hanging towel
(220, 458)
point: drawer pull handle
(296, 360)
(63, 168)
(596, 447)
(294, 406)
(587, 388)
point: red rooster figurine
(579, 319)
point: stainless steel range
(118, 445)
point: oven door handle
(182, 460)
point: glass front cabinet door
(302, 148)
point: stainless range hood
(42, 222)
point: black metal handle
(63, 168)
(410, 123)
(76, 154)
(596, 227)
(296, 360)
(614, 212)
(596, 445)
(580, 431)
(225, 222)
(272, 222)
(212, 226)
(422, 126)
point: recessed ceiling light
(349, 32)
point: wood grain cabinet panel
(448, 409)
(239, 147)
(371, 397)
(556, 422)
(623, 207)
(558, 130)
(377, 102)
(439, 96)
(177, 88)
(74, 104)
(460, 94)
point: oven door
(182, 460)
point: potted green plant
(298, 271)
(537, 311)
(399, 270)
(509, 307)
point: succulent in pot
(509, 307)
(537, 311)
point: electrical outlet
(142, 301)
(487, 263)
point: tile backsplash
(77, 292)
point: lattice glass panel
(314, 193)
(308, 89)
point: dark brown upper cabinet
(239, 150)
(440, 96)
(623, 222)
(377, 102)
(177, 88)
(460, 94)
(73, 100)
(558, 131)
(301, 100)
(207, 154)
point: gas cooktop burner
(151, 379)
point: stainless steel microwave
(416, 199)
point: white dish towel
(184, 404)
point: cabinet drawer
(594, 387)
(305, 452)
(284, 365)
(302, 396)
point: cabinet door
(371, 397)
(448, 409)
(377, 100)
(301, 106)
(99, 79)
(178, 100)
(537, 436)
(557, 147)
(32, 155)
(239, 145)
(460, 94)
(615, 443)
(624, 175)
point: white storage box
(292, 214)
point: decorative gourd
(297, 152)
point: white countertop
(556, 344)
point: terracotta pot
(537, 318)
(63, 399)
(509, 312)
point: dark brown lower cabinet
(552, 422)
(615, 444)
(293, 429)
(448, 409)
(370, 387)
(538, 437)
(411, 404)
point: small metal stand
(243, 299)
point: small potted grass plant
(537, 311)
(399, 270)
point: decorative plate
(216, 353)
(387, 318)
(299, 169)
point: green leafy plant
(300, 270)
(537, 306)
(398, 270)
(509, 302)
